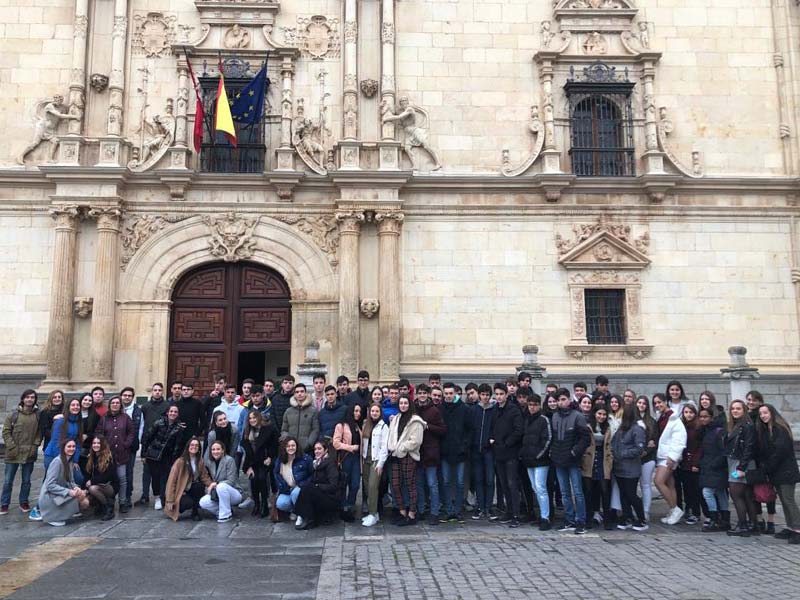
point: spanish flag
(223, 121)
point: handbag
(764, 492)
(754, 476)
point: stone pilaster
(739, 373)
(654, 158)
(105, 291)
(116, 85)
(350, 88)
(550, 155)
(62, 292)
(77, 80)
(349, 230)
(389, 226)
(285, 153)
(387, 64)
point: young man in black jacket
(152, 410)
(535, 455)
(571, 438)
(506, 440)
(454, 448)
(282, 399)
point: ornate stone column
(739, 373)
(181, 138)
(349, 229)
(387, 64)
(350, 99)
(389, 225)
(70, 145)
(285, 153)
(654, 158)
(62, 292)
(106, 273)
(116, 85)
(550, 155)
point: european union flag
(247, 105)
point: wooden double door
(227, 318)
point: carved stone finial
(99, 82)
(369, 87)
(369, 307)
(83, 307)
(231, 236)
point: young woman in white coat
(671, 443)
(405, 439)
(374, 452)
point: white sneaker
(57, 523)
(292, 517)
(299, 522)
(370, 520)
(675, 516)
(665, 519)
(158, 505)
(246, 503)
(224, 519)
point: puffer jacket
(536, 438)
(301, 470)
(740, 445)
(627, 448)
(431, 450)
(324, 477)
(330, 417)
(120, 435)
(776, 456)
(455, 442)
(22, 436)
(673, 438)
(713, 461)
(160, 442)
(507, 432)
(302, 423)
(571, 438)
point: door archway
(232, 318)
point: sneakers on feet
(158, 505)
(370, 520)
(624, 525)
(675, 516)
(566, 527)
(580, 529)
(691, 520)
(57, 523)
(143, 501)
(477, 515)
(640, 526)
(35, 515)
(459, 518)
(514, 523)
(433, 520)
(544, 525)
(25, 507)
(224, 519)
(299, 522)
(506, 519)
(4, 509)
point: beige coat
(409, 442)
(588, 457)
(179, 479)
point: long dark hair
(680, 385)
(259, 423)
(283, 456)
(743, 420)
(350, 418)
(766, 428)
(101, 459)
(66, 461)
(65, 424)
(594, 424)
(629, 416)
(187, 458)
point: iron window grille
(217, 155)
(601, 122)
(605, 316)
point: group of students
(428, 452)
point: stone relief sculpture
(236, 37)
(594, 4)
(323, 230)
(369, 307)
(307, 139)
(546, 33)
(665, 127)
(99, 82)
(158, 135)
(138, 230)
(369, 87)
(635, 42)
(82, 306)
(317, 37)
(231, 236)
(583, 231)
(153, 34)
(49, 114)
(413, 121)
(595, 44)
(537, 130)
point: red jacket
(430, 453)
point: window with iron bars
(602, 140)
(605, 316)
(217, 155)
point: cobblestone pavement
(146, 556)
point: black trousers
(508, 474)
(313, 504)
(159, 473)
(629, 498)
(191, 498)
(689, 482)
(598, 496)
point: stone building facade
(433, 185)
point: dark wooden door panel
(259, 284)
(203, 325)
(199, 367)
(204, 285)
(268, 325)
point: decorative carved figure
(82, 307)
(236, 37)
(369, 87)
(159, 135)
(138, 231)
(323, 230)
(231, 236)
(307, 139)
(317, 37)
(583, 231)
(546, 34)
(595, 44)
(99, 82)
(49, 114)
(154, 34)
(369, 307)
(665, 127)
(644, 34)
(414, 122)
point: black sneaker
(514, 523)
(770, 529)
(566, 527)
(580, 529)
(459, 519)
(478, 515)
(784, 534)
(143, 501)
(494, 517)
(433, 520)
(545, 525)
(452, 519)
(506, 519)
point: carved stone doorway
(232, 318)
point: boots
(713, 524)
(256, 501)
(265, 510)
(108, 511)
(725, 520)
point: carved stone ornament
(307, 140)
(369, 87)
(412, 121)
(317, 37)
(158, 134)
(82, 307)
(322, 229)
(387, 32)
(585, 231)
(350, 32)
(153, 34)
(231, 236)
(138, 230)
(369, 307)
(236, 37)
(665, 127)
(99, 82)
(594, 4)
(595, 44)
(49, 114)
(537, 131)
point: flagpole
(197, 96)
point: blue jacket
(330, 417)
(301, 469)
(389, 409)
(54, 447)
(482, 421)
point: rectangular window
(217, 154)
(605, 316)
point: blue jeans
(8, 483)
(428, 476)
(483, 479)
(286, 502)
(538, 477)
(716, 498)
(571, 484)
(453, 505)
(128, 491)
(351, 467)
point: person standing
(374, 451)
(301, 420)
(535, 454)
(571, 438)
(714, 469)
(135, 413)
(190, 413)
(627, 447)
(649, 456)
(282, 400)
(481, 456)
(671, 443)
(454, 448)
(506, 441)
(260, 445)
(52, 407)
(427, 476)
(755, 400)
(118, 430)
(597, 466)
(211, 401)
(347, 440)
(740, 449)
(236, 415)
(331, 414)
(405, 439)
(22, 436)
(160, 448)
(688, 473)
(318, 394)
(152, 411)
(360, 395)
